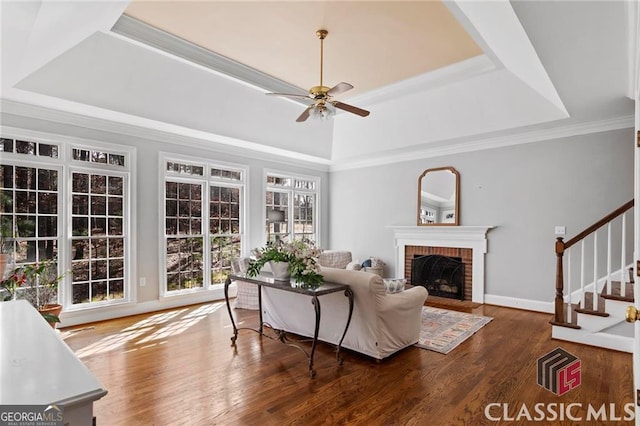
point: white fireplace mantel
(473, 237)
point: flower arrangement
(300, 255)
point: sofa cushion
(353, 266)
(334, 259)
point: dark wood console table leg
(260, 309)
(227, 282)
(316, 305)
(349, 294)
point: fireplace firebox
(441, 275)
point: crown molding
(438, 78)
(151, 36)
(163, 132)
(177, 135)
(452, 148)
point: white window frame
(207, 181)
(64, 163)
(291, 190)
(129, 214)
(126, 231)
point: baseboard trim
(601, 340)
(73, 318)
(517, 303)
(85, 316)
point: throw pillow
(354, 266)
(394, 285)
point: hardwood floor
(177, 368)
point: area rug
(443, 330)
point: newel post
(559, 301)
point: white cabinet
(38, 368)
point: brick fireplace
(468, 243)
(464, 254)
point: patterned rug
(443, 330)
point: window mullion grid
(206, 232)
(314, 197)
(108, 255)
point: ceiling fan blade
(305, 114)
(351, 109)
(289, 95)
(339, 88)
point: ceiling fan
(323, 105)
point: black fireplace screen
(441, 275)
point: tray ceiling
(370, 44)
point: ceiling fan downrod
(322, 34)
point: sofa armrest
(399, 318)
(408, 299)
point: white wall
(523, 190)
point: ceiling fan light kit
(323, 106)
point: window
(224, 219)
(52, 193)
(184, 235)
(28, 148)
(291, 206)
(98, 156)
(97, 236)
(29, 211)
(203, 222)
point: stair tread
(616, 292)
(564, 324)
(592, 312)
(618, 298)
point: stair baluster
(570, 306)
(623, 251)
(595, 271)
(567, 319)
(582, 269)
(608, 258)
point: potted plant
(298, 257)
(38, 284)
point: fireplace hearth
(441, 275)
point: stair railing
(562, 318)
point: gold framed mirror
(439, 197)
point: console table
(290, 286)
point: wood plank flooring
(177, 367)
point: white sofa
(381, 324)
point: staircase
(579, 315)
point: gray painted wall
(523, 190)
